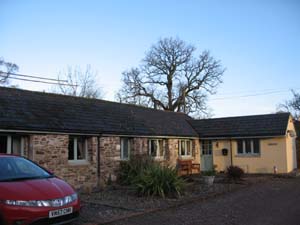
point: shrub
(156, 180)
(130, 169)
(235, 172)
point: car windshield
(14, 169)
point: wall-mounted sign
(224, 151)
(272, 144)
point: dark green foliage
(158, 180)
(150, 178)
(235, 172)
(129, 170)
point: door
(206, 155)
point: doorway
(206, 155)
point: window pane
(161, 148)
(188, 147)
(81, 148)
(124, 148)
(3, 144)
(153, 149)
(240, 146)
(248, 146)
(16, 145)
(206, 147)
(182, 145)
(71, 148)
(256, 146)
(203, 148)
(210, 147)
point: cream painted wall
(291, 146)
(221, 161)
(272, 153)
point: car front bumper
(15, 215)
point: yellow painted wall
(273, 152)
(291, 146)
(221, 161)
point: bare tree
(79, 82)
(172, 78)
(6, 68)
(292, 106)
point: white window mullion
(9, 147)
(128, 150)
(75, 148)
(186, 147)
(252, 147)
(86, 149)
(244, 147)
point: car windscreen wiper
(25, 178)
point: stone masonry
(51, 152)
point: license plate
(60, 212)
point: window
(12, 144)
(156, 148)
(248, 146)
(125, 148)
(77, 149)
(206, 147)
(185, 147)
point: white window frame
(186, 143)
(208, 145)
(9, 146)
(75, 151)
(244, 147)
(158, 156)
(122, 149)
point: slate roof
(37, 111)
(242, 126)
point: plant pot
(209, 180)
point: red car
(31, 195)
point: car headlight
(44, 203)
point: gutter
(47, 132)
(94, 134)
(240, 137)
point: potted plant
(209, 177)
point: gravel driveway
(275, 202)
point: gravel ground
(273, 202)
(120, 202)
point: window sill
(78, 162)
(124, 160)
(248, 155)
(186, 157)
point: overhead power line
(39, 81)
(252, 95)
(35, 77)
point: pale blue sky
(257, 41)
